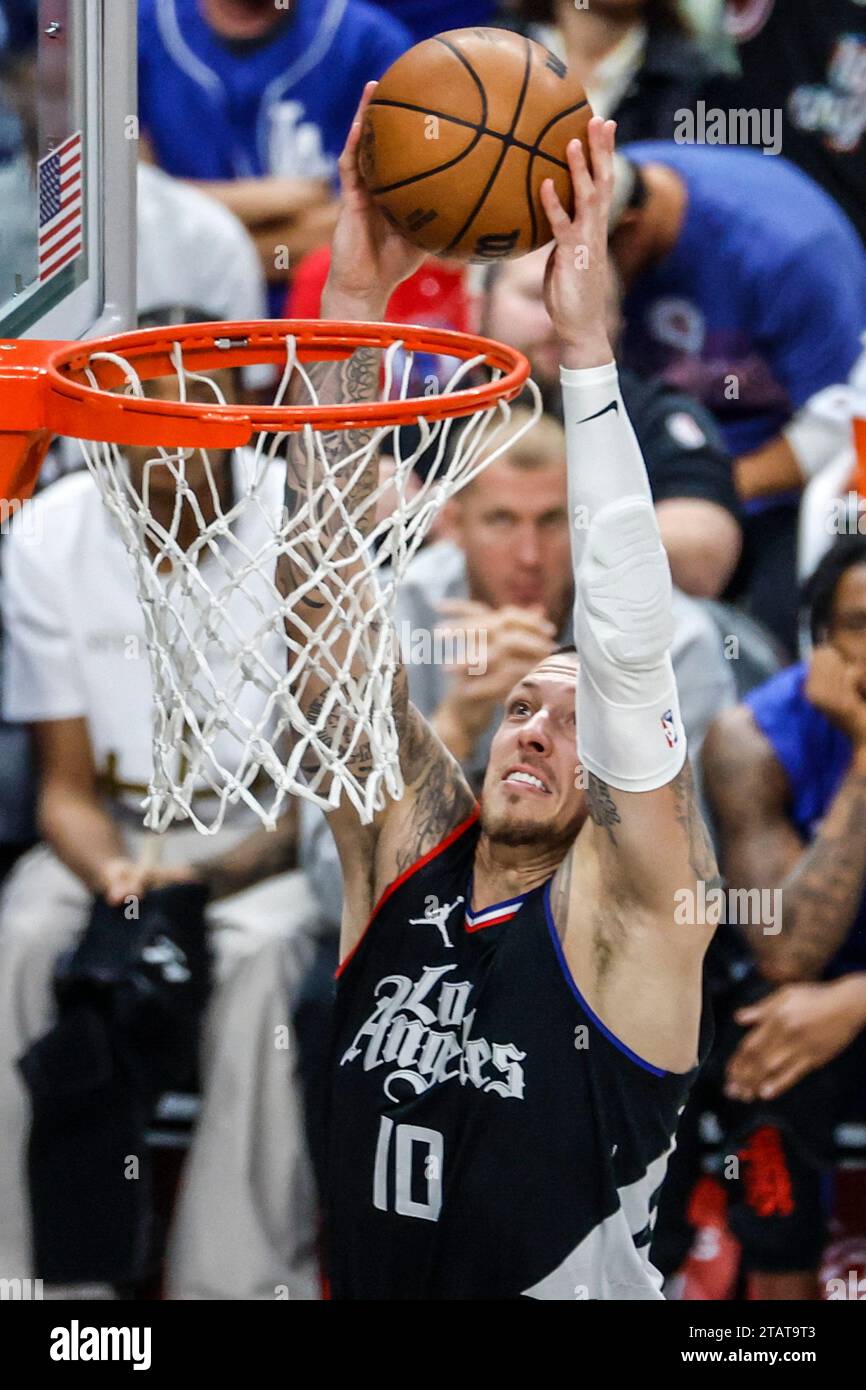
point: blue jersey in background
(815, 756)
(762, 300)
(426, 17)
(220, 110)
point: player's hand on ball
(369, 259)
(575, 286)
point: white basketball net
(229, 680)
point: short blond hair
(542, 444)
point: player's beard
(504, 829)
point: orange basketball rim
(72, 388)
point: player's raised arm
(647, 827)
(368, 261)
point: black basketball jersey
(489, 1137)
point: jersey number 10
(416, 1156)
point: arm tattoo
(601, 805)
(821, 883)
(337, 733)
(822, 893)
(441, 794)
(354, 379)
(702, 858)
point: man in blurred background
(745, 285)
(808, 65)
(785, 777)
(638, 60)
(501, 584)
(253, 101)
(76, 671)
(688, 464)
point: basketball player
(503, 1107)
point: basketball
(462, 131)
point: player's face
(516, 314)
(531, 789)
(513, 527)
(848, 628)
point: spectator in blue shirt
(253, 101)
(426, 17)
(746, 287)
(785, 775)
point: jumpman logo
(437, 917)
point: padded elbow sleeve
(630, 731)
(629, 727)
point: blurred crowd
(738, 310)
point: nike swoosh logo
(611, 405)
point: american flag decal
(60, 182)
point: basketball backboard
(68, 147)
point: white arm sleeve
(630, 731)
